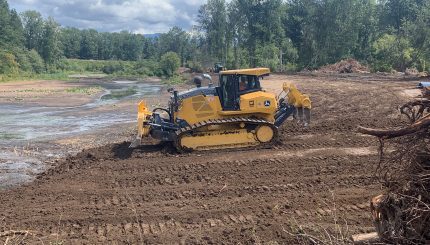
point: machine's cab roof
(250, 72)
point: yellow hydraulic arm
(300, 101)
(295, 97)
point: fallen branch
(393, 133)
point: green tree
(105, 46)
(212, 20)
(11, 31)
(255, 24)
(392, 52)
(33, 29)
(268, 56)
(88, 45)
(71, 42)
(4, 21)
(394, 12)
(169, 63)
(17, 31)
(149, 50)
(176, 40)
(131, 46)
(50, 47)
(417, 31)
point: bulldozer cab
(235, 83)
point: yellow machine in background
(237, 113)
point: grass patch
(25, 77)
(112, 68)
(33, 90)
(84, 90)
(74, 90)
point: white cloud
(139, 16)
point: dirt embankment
(315, 177)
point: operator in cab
(242, 84)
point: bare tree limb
(393, 133)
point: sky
(137, 16)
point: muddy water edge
(34, 133)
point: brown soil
(312, 178)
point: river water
(23, 127)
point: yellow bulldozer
(237, 113)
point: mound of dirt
(345, 66)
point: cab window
(248, 84)
(228, 88)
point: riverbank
(44, 120)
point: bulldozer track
(331, 211)
(233, 120)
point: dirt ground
(48, 93)
(313, 179)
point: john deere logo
(267, 103)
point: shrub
(23, 60)
(195, 66)
(113, 68)
(38, 66)
(8, 64)
(169, 63)
(176, 79)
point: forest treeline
(386, 34)
(283, 35)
